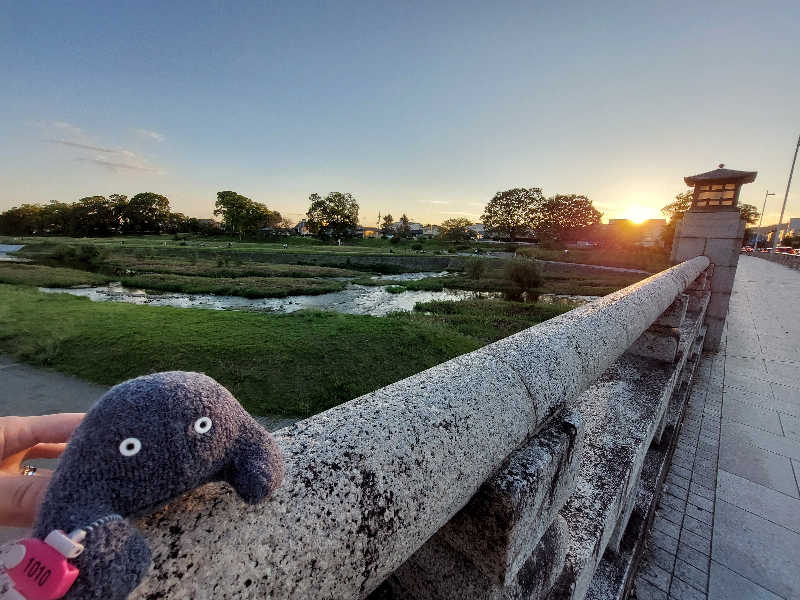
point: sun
(638, 214)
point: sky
(424, 108)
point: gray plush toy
(143, 443)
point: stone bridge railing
(790, 260)
(522, 469)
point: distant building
(368, 232)
(414, 229)
(430, 231)
(765, 233)
(651, 231)
(647, 233)
(478, 229)
(302, 228)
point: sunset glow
(639, 214)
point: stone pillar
(717, 235)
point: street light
(785, 197)
(763, 208)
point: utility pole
(761, 218)
(785, 196)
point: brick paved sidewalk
(728, 523)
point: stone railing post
(713, 227)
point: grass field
(248, 287)
(648, 259)
(220, 244)
(220, 267)
(485, 320)
(298, 364)
(44, 276)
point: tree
(403, 226)
(147, 212)
(387, 225)
(241, 215)
(564, 215)
(21, 220)
(120, 205)
(749, 213)
(336, 215)
(93, 216)
(455, 230)
(676, 209)
(512, 212)
(56, 217)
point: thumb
(20, 499)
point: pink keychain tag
(39, 569)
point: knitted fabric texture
(145, 442)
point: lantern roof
(722, 174)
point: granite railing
(790, 260)
(525, 468)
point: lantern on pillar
(718, 189)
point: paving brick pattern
(728, 522)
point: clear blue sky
(425, 108)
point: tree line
(147, 212)
(95, 216)
(511, 214)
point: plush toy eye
(130, 446)
(202, 425)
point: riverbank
(293, 364)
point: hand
(23, 438)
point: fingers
(45, 451)
(20, 498)
(20, 433)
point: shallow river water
(5, 248)
(355, 299)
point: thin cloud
(114, 159)
(150, 135)
(440, 202)
(119, 165)
(60, 126)
(87, 146)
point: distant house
(430, 231)
(301, 228)
(367, 232)
(478, 229)
(414, 229)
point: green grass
(486, 320)
(42, 276)
(248, 287)
(299, 363)
(648, 259)
(219, 268)
(216, 245)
